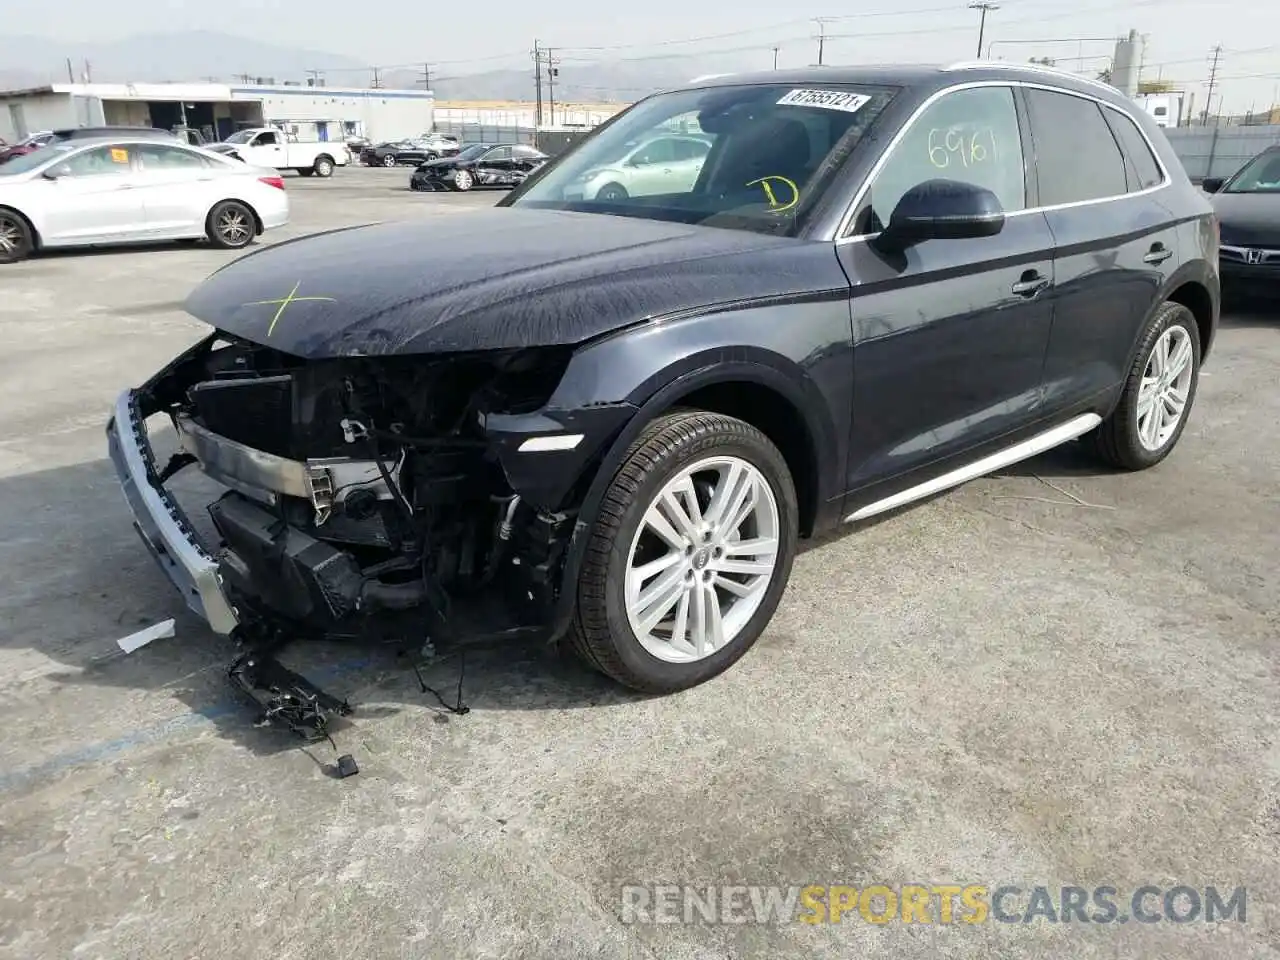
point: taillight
(277, 182)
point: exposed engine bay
(366, 499)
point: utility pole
(88, 72)
(775, 58)
(377, 79)
(822, 38)
(71, 74)
(537, 79)
(1213, 82)
(426, 76)
(552, 72)
(982, 6)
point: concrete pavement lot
(1056, 676)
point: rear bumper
(160, 522)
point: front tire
(1158, 394)
(231, 225)
(16, 240)
(689, 554)
(389, 160)
(463, 181)
(612, 193)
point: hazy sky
(468, 37)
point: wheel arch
(258, 226)
(750, 388)
(1193, 294)
(36, 241)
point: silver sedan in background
(97, 192)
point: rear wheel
(231, 225)
(612, 192)
(16, 241)
(689, 554)
(323, 167)
(1158, 394)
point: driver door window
(659, 151)
(969, 135)
(266, 140)
(99, 162)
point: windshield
(36, 159)
(1260, 175)
(751, 157)
(471, 152)
(244, 136)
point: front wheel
(389, 160)
(1158, 394)
(323, 167)
(15, 237)
(231, 225)
(462, 180)
(689, 554)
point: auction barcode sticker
(827, 99)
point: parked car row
(413, 150)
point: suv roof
(925, 76)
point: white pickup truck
(269, 147)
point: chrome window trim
(846, 221)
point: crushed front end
(405, 499)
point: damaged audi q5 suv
(610, 420)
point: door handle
(1159, 254)
(1030, 284)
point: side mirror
(942, 210)
(50, 174)
(1212, 184)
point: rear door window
(1077, 158)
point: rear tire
(323, 167)
(1158, 394)
(231, 225)
(612, 193)
(16, 239)
(730, 459)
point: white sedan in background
(668, 164)
(97, 192)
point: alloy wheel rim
(462, 179)
(388, 161)
(10, 236)
(232, 226)
(1165, 389)
(702, 559)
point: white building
(218, 110)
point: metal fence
(1219, 151)
(485, 133)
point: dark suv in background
(610, 419)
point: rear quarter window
(1143, 168)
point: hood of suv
(495, 279)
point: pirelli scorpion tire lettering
(689, 554)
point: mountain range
(207, 55)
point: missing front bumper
(161, 523)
